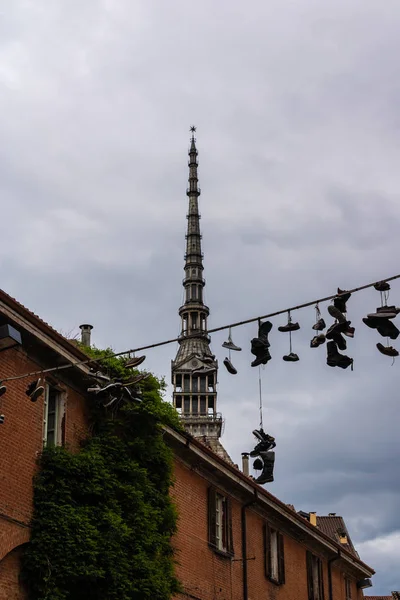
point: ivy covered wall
(103, 517)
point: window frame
(59, 416)
(315, 576)
(220, 535)
(347, 588)
(274, 562)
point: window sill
(274, 581)
(222, 553)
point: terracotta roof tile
(331, 526)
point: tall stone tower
(194, 370)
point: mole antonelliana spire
(194, 370)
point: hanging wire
(214, 330)
(260, 392)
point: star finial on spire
(192, 128)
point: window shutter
(310, 576)
(321, 579)
(281, 559)
(267, 550)
(212, 516)
(229, 525)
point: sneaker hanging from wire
(319, 324)
(290, 326)
(387, 350)
(135, 361)
(35, 389)
(229, 343)
(229, 367)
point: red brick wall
(21, 440)
(207, 576)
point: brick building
(235, 540)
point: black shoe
(334, 333)
(292, 357)
(317, 341)
(3, 390)
(229, 366)
(259, 345)
(387, 350)
(267, 474)
(319, 325)
(262, 358)
(336, 313)
(289, 327)
(382, 286)
(264, 329)
(263, 447)
(385, 327)
(385, 312)
(35, 390)
(2, 417)
(264, 437)
(340, 301)
(335, 359)
(258, 464)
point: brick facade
(205, 573)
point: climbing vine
(103, 518)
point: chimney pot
(85, 334)
(313, 518)
(245, 463)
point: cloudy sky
(297, 108)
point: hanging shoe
(382, 286)
(263, 447)
(35, 390)
(262, 358)
(340, 301)
(134, 362)
(289, 327)
(264, 329)
(2, 417)
(386, 312)
(317, 341)
(3, 390)
(336, 313)
(335, 333)
(319, 325)
(387, 350)
(267, 475)
(385, 327)
(229, 367)
(292, 357)
(258, 464)
(264, 437)
(335, 359)
(258, 345)
(230, 345)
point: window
(54, 417)
(219, 522)
(347, 583)
(274, 555)
(314, 577)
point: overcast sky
(297, 109)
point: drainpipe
(244, 544)
(330, 561)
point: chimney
(313, 518)
(332, 515)
(85, 334)
(245, 463)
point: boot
(229, 366)
(387, 350)
(263, 447)
(267, 474)
(289, 327)
(261, 358)
(336, 314)
(258, 345)
(264, 437)
(319, 325)
(292, 357)
(334, 333)
(335, 359)
(382, 286)
(134, 362)
(340, 301)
